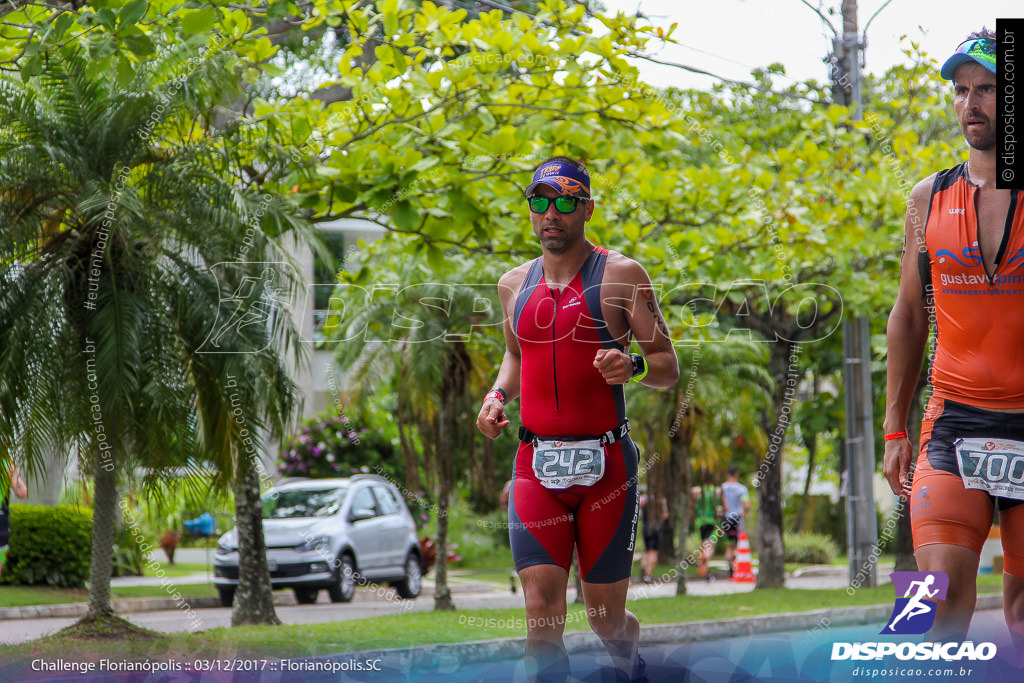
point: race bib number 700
(561, 464)
(993, 465)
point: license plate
(993, 465)
(561, 464)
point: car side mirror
(361, 514)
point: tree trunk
(254, 601)
(442, 592)
(452, 389)
(905, 560)
(770, 550)
(811, 441)
(104, 530)
(476, 490)
(412, 473)
(483, 489)
(680, 445)
(494, 483)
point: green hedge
(810, 548)
(49, 546)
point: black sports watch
(639, 367)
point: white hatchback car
(333, 534)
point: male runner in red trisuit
(964, 251)
(569, 318)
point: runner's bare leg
(952, 615)
(617, 627)
(544, 587)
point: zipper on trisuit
(554, 336)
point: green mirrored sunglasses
(562, 204)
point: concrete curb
(453, 654)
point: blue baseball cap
(569, 179)
(980, 50)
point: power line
(684, 67)
(745, 84)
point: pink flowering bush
(337, 446)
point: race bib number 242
(561, 464)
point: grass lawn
(21, 596)
(419, 628)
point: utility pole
(861, 523)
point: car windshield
(303, 503)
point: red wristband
(895, 435)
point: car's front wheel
(226, 595)
(344, 587)
(412, 584)
(305, 595)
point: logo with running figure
(914, 613)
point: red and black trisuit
(563, 396)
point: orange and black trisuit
(970, 460)
(564, 400)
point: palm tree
(721, 391)
(116, 209)
(419, 339)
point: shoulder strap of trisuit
(533, 277)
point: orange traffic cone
(744, 571)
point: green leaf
(125, 71)
(61, 25)
(398, 57)
(426, 164)
(272, 69)
(328, 171)
(140, 45)
(435, 258)
(106, 17)
(300, 128)
(390, 23)
(132, 12)
(30, 67)
(486, 118)
(198, 21)
(101, 48)
(405, 216)
(384, 53)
